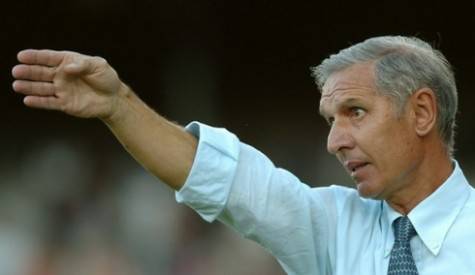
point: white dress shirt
(324, 230)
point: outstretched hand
(79, 85)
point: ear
(424, 105)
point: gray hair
(403, 65)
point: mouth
(354, 166)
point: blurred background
(73, 202)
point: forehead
(352, 83)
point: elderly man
(390, 103)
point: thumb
(77, 67)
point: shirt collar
(433, 217)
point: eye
(330, 121)
(357, 112)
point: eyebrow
(344, 102)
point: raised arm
(88, 87)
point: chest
(365, 251)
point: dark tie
(401, 261)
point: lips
(353, 165)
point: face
(373, 141)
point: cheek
(387, 144)
(399, 153)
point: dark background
(240, 64)
(243, 65)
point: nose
(339, 138)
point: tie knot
(403, 229)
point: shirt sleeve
(238, 185)
(207, 187)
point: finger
(41, 57)
(33, 72)
(34, 88)
(49, 102)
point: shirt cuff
(207, 187)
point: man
(391, 105)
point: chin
(368, 190)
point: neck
(432, 171)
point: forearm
(163, 148)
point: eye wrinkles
(354, 113)
(350, 107)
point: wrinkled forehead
(355, 81)
(357, 75)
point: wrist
(119, 105)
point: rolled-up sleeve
(207, 187)
(237, 184)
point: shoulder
(346, 200)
